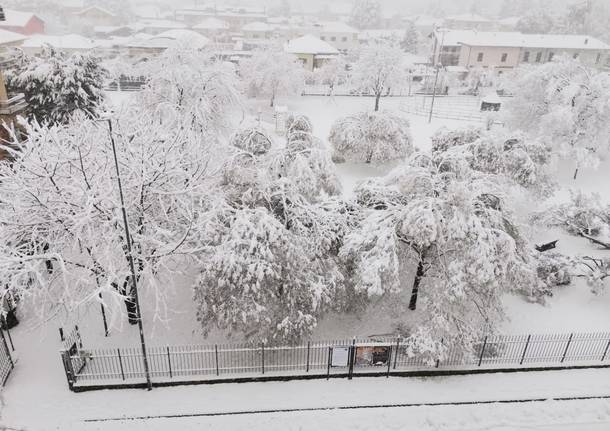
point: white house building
(311, 51)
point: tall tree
(446, 231)
(565, 104)
(272, 72)
(377, 70)
(366, 14)
(410, 41)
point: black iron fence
(6, 360)
(379, 355)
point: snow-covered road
(45, 408)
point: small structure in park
(311, 51)
(491, 102)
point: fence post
(330, 351)
(216, 354)
(438, 360)
(483, 351)
(67, 361)
(61, 334)
(565, 352)
(396, 354)
(389, 361)
(263, 357)
(121, 363)
(169, 363)
(351, 356)
(308, 349)
(527, 343)
(606, 350)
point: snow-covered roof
(8, 37)
(468, 17)
(15, 18)
(172, 38)
(94, 8)
(68, 41)
(412, 59)
(491, 97)
(510, 21)
(257, 26)
(337, 27)
(158, 23)
(380, 33)
(520, 40)
(310, 44)
(212, 23)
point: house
(258, 30)
(22, 22)
(506, 50)
(157, 44)
(10, 39)
(469, 21)
(311, 51)
(340, 35)
(97, 16)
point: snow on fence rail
(379, 355)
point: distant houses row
(461, 43)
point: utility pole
(130, 258)
(438, 68)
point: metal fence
(381, 355)
(6, 360)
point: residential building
(258, 30)
(506, 50)
(68, 43)
(97, 16)
(340, 35)
(156, 26)
(22, 22)
(311, 51)
(10, 39)
(212, 27)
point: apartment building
(507, 50)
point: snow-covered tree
(272, 269)
(450, 236)
(521, 160)
(567, 105)
(252, 140)
(272, 72)
(410, 40)
(371, 137)
(60, 208)
(332, 73)
(366, 14)
(536, 20)
(378, 70)
(193, 84)
(57, 85)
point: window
(504, 57)
(480, 57)
(344, 39)
(538, 57)
(333, 39)
(322, 37)
(598, 59)
(551, 55)
(526, 56)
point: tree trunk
(377, 97)
(415, 290)
(132, 311)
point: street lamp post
(130, 258)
